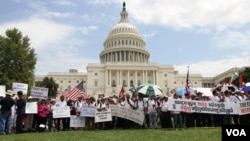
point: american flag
(187, 83)
(76, 92)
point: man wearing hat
(5, 117)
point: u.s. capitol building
(124, 61)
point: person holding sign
(5, 117)
(42, 110)
(51, 120)
(152, 111)
(140, 106)
(20, 111)
(165, 114)
(101, 107)
(178, 122)
(61, 103)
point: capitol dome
(124, 43)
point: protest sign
(77, 121)
(31, 108)
(103, 116)
(88, 111)
(19, 87)
(61, 112)
(39, 92)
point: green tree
(17, 59)
(48, 82)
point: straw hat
(9, 92)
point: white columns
(117, 78)
(153, 76)
(135, 83)
(128, 82)
(106, 78)
(120, 78)
(143, 78)
(109, 77)
(156, 73)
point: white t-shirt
(151, 104)
(61, 104)
(140, 105)
(215, 99)
(127, 105)
(164, 106)
(78, 105)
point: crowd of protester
(155, 108)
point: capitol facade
(124, 62)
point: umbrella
(149, 89)
(182, 90)
(205, 91)
(246, 87)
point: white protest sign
(31, 108)
(19, 87)
(39, 92)
(113, 109)
(88, 111)
(244, 107)
(103, 116)
(77, 121)
(61, 112)
(2, 90)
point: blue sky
(208, 36)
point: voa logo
(236, 132)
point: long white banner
(133, 115)
(240, 108)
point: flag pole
(187, 83)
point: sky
(208, 36)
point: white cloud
(86, 30)
(101, 2)
(41, 32)
(53, 42)
(64, 2)
(233, 39)
(218, 14)
(149, 34)
(211, 68)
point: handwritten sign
(31, 108)
(103, 116)
(77, 121)
(19, 87)
(2, 90)
(88, 111)
(61, 112)
(39, 92)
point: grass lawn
(192, 134)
